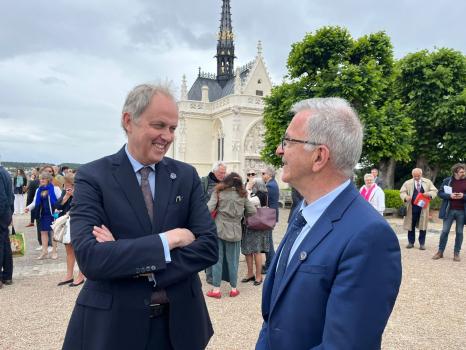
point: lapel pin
(302, 256)
(178, 198)
(172, 176)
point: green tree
(432, 88)
(331, 63)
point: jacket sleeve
(441, 192)
(200, 254)
(432, 190)
(364, 290)
(404, 191)
(212, 203)
(122, 258)
(249, 208)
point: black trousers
(159, 338)
(416, 215)
(6, 257)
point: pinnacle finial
(259, 48)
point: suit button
(138, 270)
(153, 268)
(148, 269)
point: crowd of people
(144, 225)
(46, 194)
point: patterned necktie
(293, 231)
(418, 186)
(146, 192)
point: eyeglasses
(251, 174)
(285, 140)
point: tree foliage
(331, 63)
(432, 88)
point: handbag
(59, 227)
(264, 219)
(402, 211)
(18, 243)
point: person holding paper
(417, 193)
(453, 208)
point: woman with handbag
(230, 200)
(19, 187)
(255, 242)
(63, 204)
(44, 201)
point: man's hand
(408, 198)
(179, 237)
(102, 234)
(26, 210)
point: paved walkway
(429, 312)
(28, 265)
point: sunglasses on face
(251, 174)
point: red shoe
(234, 293)
(216, 295)
(30, 225)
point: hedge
(393, 200)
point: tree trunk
(387, 172)
(429, 171)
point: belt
(158, 303)
(158, 310)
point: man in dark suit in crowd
(273, 195)
(336, 274)
(6, 211)
(377, 179)
(141, 233)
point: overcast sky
(66, 66)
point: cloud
(66, 67)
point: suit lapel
(321, 229)
(126, 178)
(163, 186)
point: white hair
(334, 123)
(217, 165)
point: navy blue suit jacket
(339, 287)
(273, 194)
(112, 309)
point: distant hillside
(29, 165)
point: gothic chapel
(221, 114)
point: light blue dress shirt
(312, 212)
(136, 167)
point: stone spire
(225, 46)
(184, 89)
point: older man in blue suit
(141, 232)
(336, 274)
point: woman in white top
(373, 193)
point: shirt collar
(318, 207)
(136, 164)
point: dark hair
(455, 168)
(232, 180)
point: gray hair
(336, 124)
(217, 165)
(366, 176)
(140, 97)
(269, 170)
(259, 185)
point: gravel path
(430, 312)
